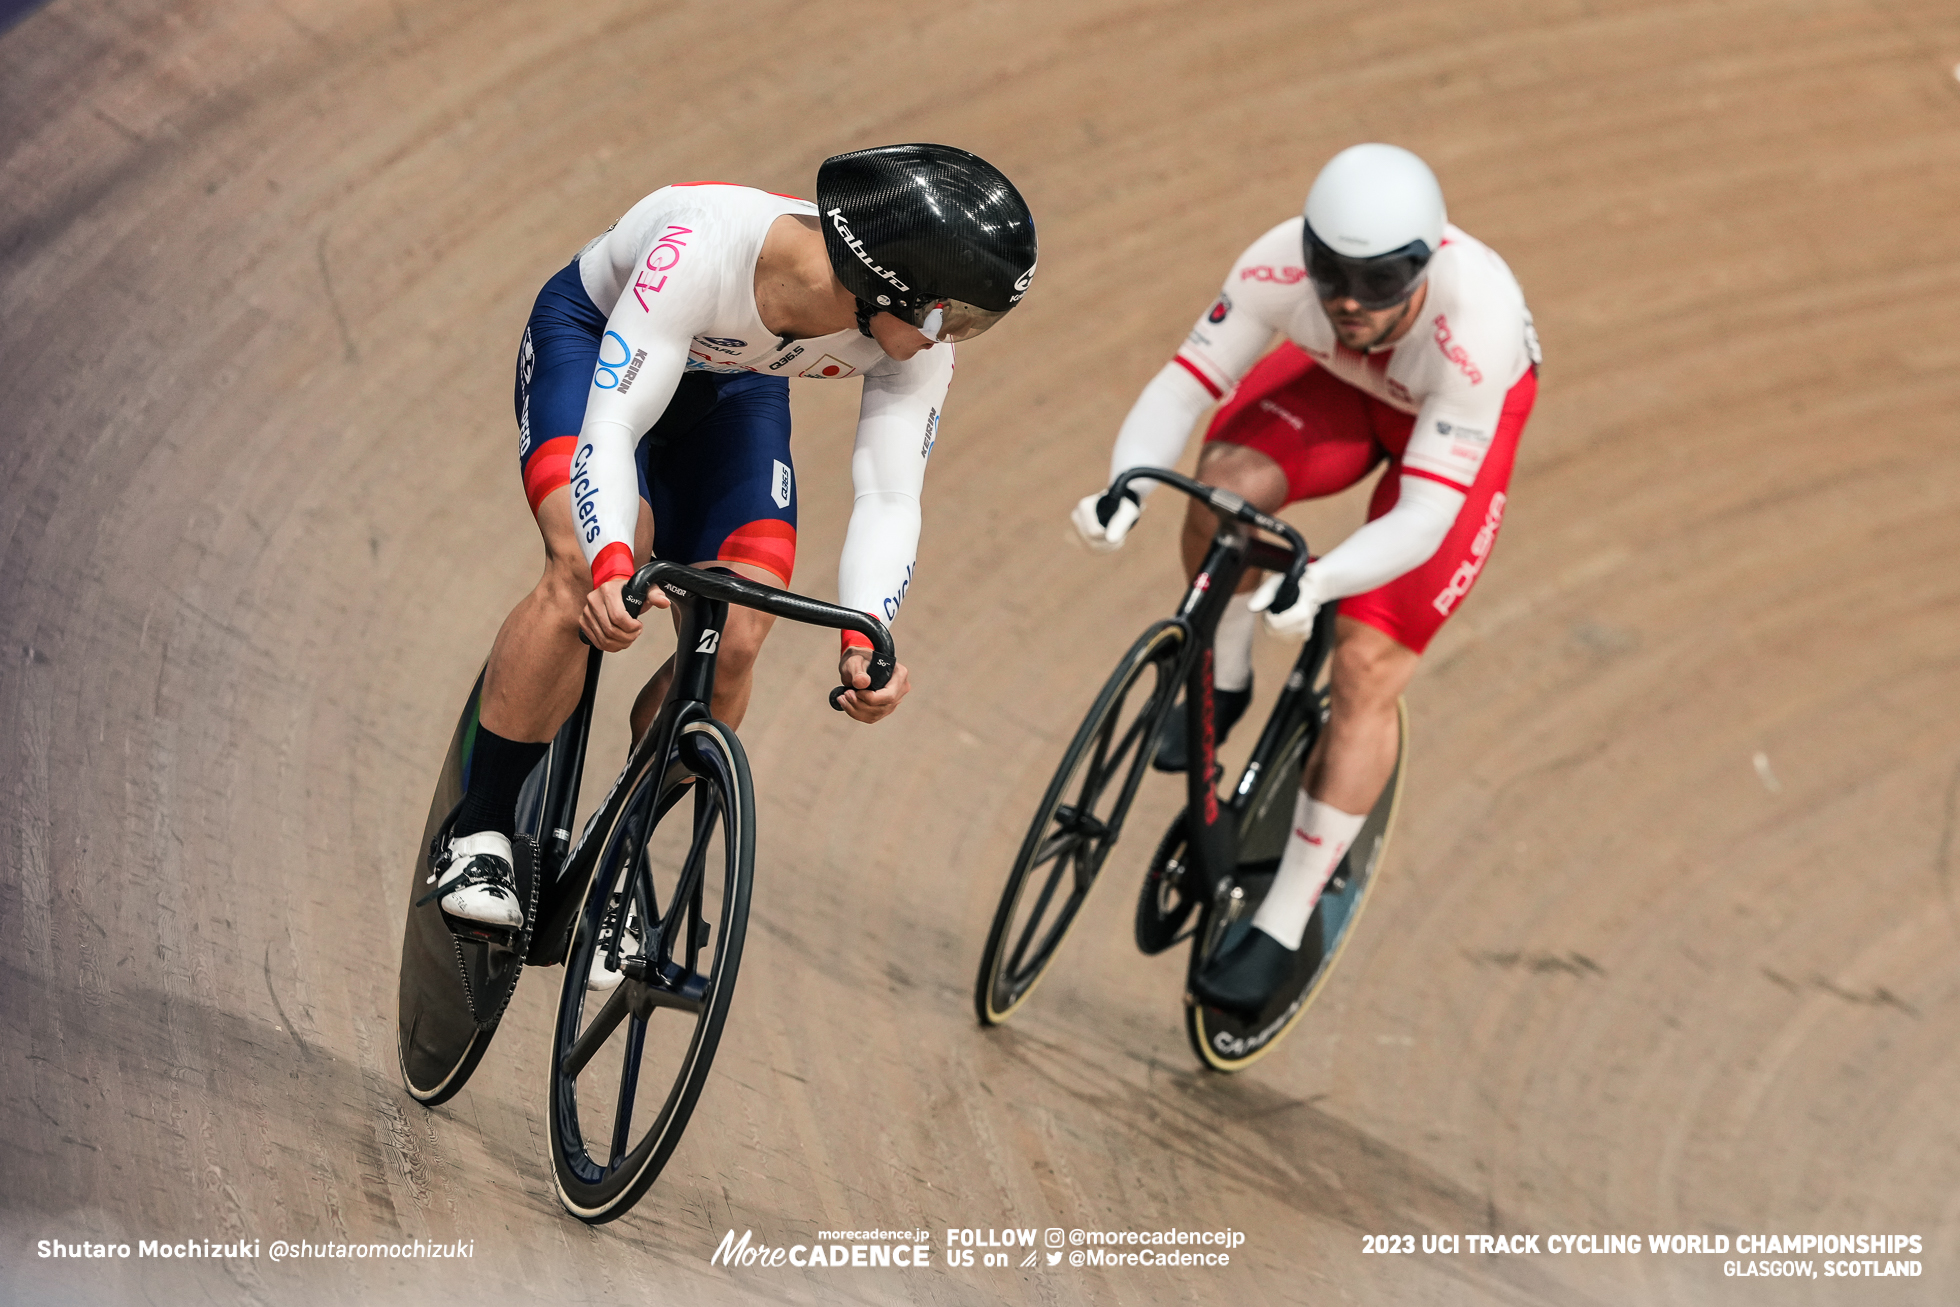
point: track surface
(1666, 943)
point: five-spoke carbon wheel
(1078, 822)
(628, 1064)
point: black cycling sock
(498, 768)
(1228, 706)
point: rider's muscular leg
(1247, 473)
(741, 641)
(535, 674)
(1355, 754)
(1344, 775)
(537, 665)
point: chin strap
(865, 312)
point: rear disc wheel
(1227, 1042)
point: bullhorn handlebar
(1225, 504)
(685, 583)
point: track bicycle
(655, 890)
(1214, 865)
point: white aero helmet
(1374, 219)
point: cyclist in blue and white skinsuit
(653, 414)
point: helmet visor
(1381, 282)
(948, 320)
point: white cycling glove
(1094, 534)
(1295, 622)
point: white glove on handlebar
(1098, 537)
(1296, 622)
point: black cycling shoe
(1244, 978)
(1227, 707)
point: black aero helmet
(931, 234)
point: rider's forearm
(898, 424)
(641, 358)
(605, 497)
(1159, 423)
(1404, 537)
(879, 550)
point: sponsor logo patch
(527, 361)
(828, 366)
(632, 371)
(585, 493)
(1456, 353)
(1465, 441)
(779, 488)
(1466, 572)
(661, 259)
(1290, 419)
(890, 603)
(1219, 310)
(856, 247)
(606, 375)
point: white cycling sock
(1231, 667)
(1320, 836)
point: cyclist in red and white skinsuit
(1404, 341)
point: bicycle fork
(1212, 826)
(1211, 833)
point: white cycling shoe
(603, 979)
(479, 884)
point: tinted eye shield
(942, 321)
(948, 320)
(1381, 282)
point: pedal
(1232, 901)
(495, 936)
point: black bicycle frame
(1211, 827)
(702, 598)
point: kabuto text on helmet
(931, 234)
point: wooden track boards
(1668, 945)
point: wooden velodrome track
(1666, 942)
